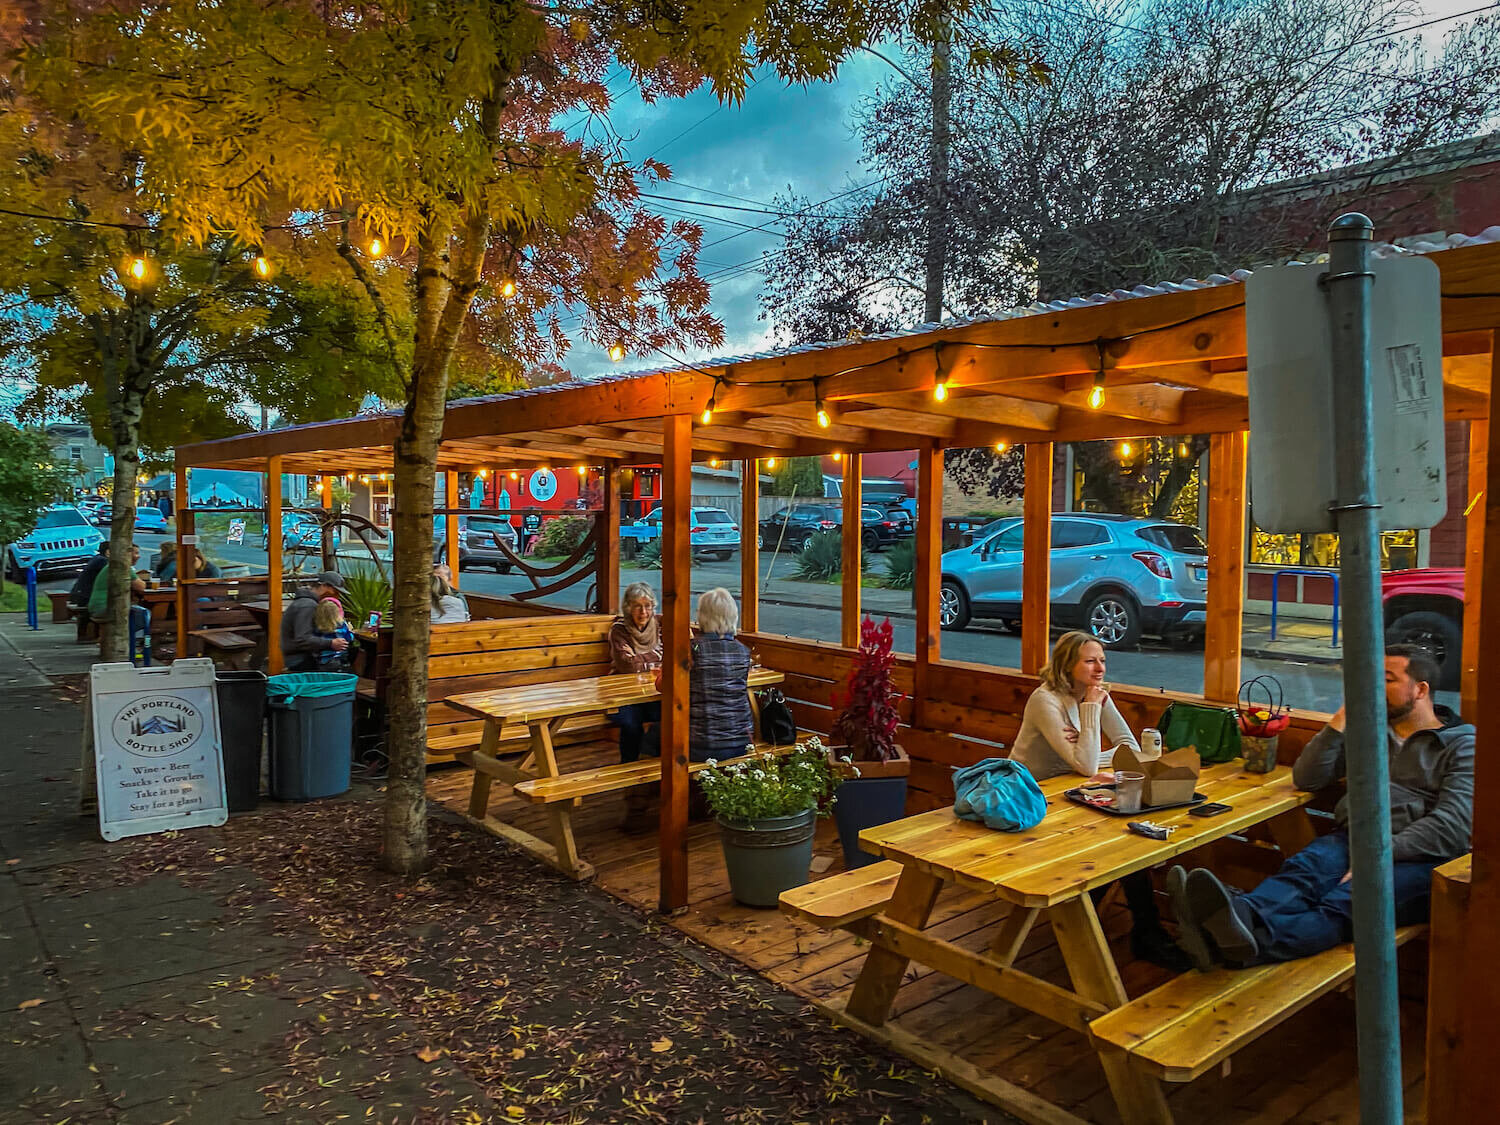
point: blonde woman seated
(1071, 725)
(447, 607)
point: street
(810, 611)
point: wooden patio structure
(1170, 360)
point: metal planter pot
(766, 857)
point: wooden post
(273, 564)
(853, 529)
(749, 545)
(1036, 558)
(1466, 1069)
(607, 564)
(184, 524)
(452, 554)
(677, 592)
(1224, 636)
(1479, 447)
(325, 492)
(929, 577)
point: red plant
(868, 722)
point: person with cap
(300, 642)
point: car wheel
(805, 543)
(723, 556)
(1439, 634)
(953, 606)
(870, 542)
(13, 572)
(502, 568)
(1113, 620)
(1011, 625)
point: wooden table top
(534, 702)
(1075, 848)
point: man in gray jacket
(300, 642)
(1306, 906)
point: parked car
(62, 540)
(150, 521)
(713, 532)
(1426, 607)
(1114, 576)
(300, 532)
(97, 511)
(802, 521)
(476, 541)
(883, 529)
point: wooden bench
(609, 779)
(834, 902)
(227, 645)
(1195, 1021)
(62, 609)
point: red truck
(1426, 607)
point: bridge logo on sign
(155, 727)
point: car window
(1008, 540)
(780, 514)
(871, 514)
(711, 515)
(1076, 533)
(1177, 537)
(485, 524)
(61, 517)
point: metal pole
(1349, 283)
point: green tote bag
(1213, 731)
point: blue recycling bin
(312, 734)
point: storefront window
(1398, 549)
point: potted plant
(873, 768)
(767, 807)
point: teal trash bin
(312, 734)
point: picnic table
(545, 710)
(1045, 873)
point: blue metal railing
(1276, 591)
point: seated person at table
(443, 571)
(1306, 907)
(447, 607)
(140, 616)
(165, 566)
(1070, 726)
(300, 643)
(329, 622)
(634, 647)
(720, 722)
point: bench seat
(1195, 1021)
(514, 737)
(607, 779)
(840, 899)
(225, 640)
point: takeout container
(1170, 779)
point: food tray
(1076, 796)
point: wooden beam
(183, 526)
(928, 584)
(840, 431)
(849, 614)
(274, 660)
(1036, 558)
(1479, 445)
(750, 546)
(974, 406)
(676, 587)
(450, 524)
(1224, 635)
(607, 572)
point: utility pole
(941, 97)
(1349, 283)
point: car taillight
(827, 525)
(734, 527)
(886, 523)
(1155, 563)
(698, 529)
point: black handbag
(776, 723)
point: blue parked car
(1113, 576)
(151, 521)
(62, 540)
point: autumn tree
(1150, 153)
(29, 481)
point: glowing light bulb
(770, 462)
(377, 248)
(262, 265)
(483, 473)
(713, 462)
(514, 475)
(507, 288)
(1096, 396)
(823, 420)
(583, 470)
(708, 412)
(616, 352)
(1184, 450)
(837, 457)
(1124, 449)
(138, 268)
(1001, 446)
(940, 389)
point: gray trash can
(312, 734)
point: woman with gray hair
(634, 647)
(720, 723)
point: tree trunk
(937, 183)
(114, 631)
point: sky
(778, 139)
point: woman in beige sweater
(1071, 726)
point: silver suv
(1114, 576)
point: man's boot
(638, 819)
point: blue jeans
(632, 720)
(1303, 909)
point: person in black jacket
(300, 642)
(78, 596)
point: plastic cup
(1128, 788)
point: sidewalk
(266, 970)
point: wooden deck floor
(1301, 1072)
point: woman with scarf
(635, 647)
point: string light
(483, 473)
(262, 265)
(1096, 393)
(1124, 449)
(348, 478)
(713, 462)
(507, 288)
(708, 411)
(1001, 446)
(583, 470)
(939, 377)
(770, 462)
(1184, 451)
(137, 268)
(377, 248)
(616, 352)
(837, 457)
(514, 475)
(824, 421)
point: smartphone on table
(1208, 808)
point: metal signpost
(1356, 512)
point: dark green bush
(823, 559)
(561, 537)
(901, 565)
